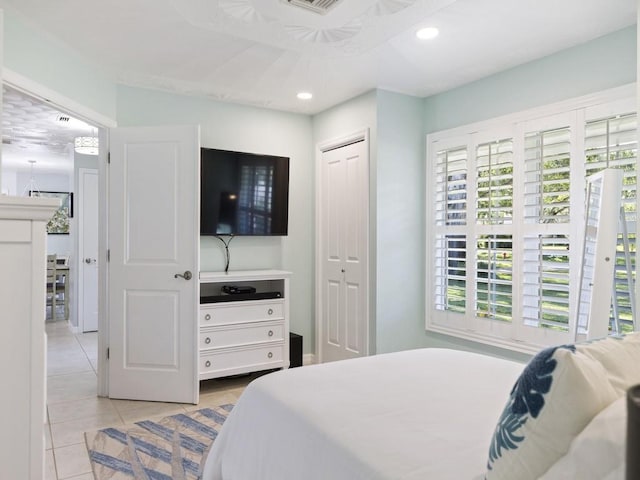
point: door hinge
(108, 352)
(108, 255)
(109, 157)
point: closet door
(343, 207)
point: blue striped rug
(173, 448)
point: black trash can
(295, 350)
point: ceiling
(262, 52)
(33, 130)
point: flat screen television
(243, 193)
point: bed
(421, 414)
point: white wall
(9, 182)
(248, 129)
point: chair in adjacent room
(62, 288)
(51, 286)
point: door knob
(89, 261)
(186, 275)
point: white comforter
(419, 414)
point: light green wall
(605, 62)
(56, 65)
(235, 127)
(354, 115)
(400, 219)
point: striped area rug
(173, 448)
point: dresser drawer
(216, 337)
(230, 362)
(241, 312)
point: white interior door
(154, 204)
(88, 249)
(344, 214)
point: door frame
(359, 135)
(103, 123)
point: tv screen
(243, 193)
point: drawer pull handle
(207, 363)
(271, 333)
(270, 311)
(207, 340)
(270, 355)
(207, 316)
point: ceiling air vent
(316, 6)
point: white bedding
(419, 414)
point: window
(508, 203)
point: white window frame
(513, 335)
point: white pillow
(555, 397)
(598, 452)
(620, 357)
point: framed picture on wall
(59, 223)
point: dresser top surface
(242, 275)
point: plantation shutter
(547, 200)
(546, 281)
(547, 175)
(451, 187)
(494, 212)
(494, 182)
(507, 207)
(451, 211)
(612, 142)
(450, 273)
(494, 273)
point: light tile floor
(73, 406)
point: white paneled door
(154, 204)
(88, 249)
(344, 213)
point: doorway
(44, 150)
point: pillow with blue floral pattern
(560, 390)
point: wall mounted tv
(243, 193)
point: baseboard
(308, 359)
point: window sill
(506, 344)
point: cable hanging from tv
(226, 250)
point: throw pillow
(555, 397)
(620, 357)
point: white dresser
(23, 343)
(242, 333)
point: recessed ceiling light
(427, 33)
(305, 96)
